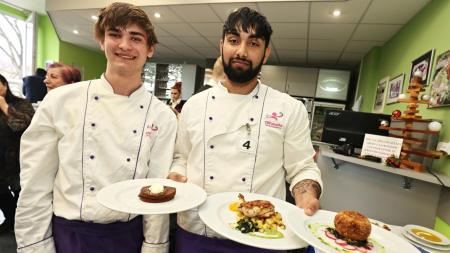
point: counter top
(326, 151)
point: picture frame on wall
(380, 95)
(395, 88)
(422, 63)
(440, 82)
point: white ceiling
(305, 33)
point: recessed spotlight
(336, 13)
(76, 31)
(94, 17)
(157, 15)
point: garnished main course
(257, 218)
(350, 233)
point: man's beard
(240, 76)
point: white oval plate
(444, 240)
(380, 237)
(216, 215)
(123, 197)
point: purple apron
(80, 237)
(187, 242)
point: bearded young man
(242, 136)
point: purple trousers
(83, 237)
(187, 242)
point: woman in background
(175, 102)
(60, 74)
(15, 116)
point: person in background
(252, 138)
(59, 74)
(34, 87)
(217, 76)
(15, 116)
(175, 101)
(91, 135)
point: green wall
(91, 63)
(12, 11)
(47, 48)
(428, 29)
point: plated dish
(124, 196)
(427, 235)
(426, 246)
(316, 230)
(219, 212)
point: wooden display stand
(409, 117)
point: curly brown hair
(120, 15)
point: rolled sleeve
(299, 152)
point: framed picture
(423, 63)
(380, 95)
(440, 82)
(395, 88)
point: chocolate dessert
(147, 195)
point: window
(16, 49)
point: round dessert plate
(427, 235)
(123, 196)
(215, 213)
(313, 230)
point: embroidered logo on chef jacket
(271, 120)
(151, 130)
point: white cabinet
(301, 81)
(274, 76)
(292, 80)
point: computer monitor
(349, 127)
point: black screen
(348, 127)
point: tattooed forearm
(305, 186)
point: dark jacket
(179, 106)
(11, 129)
(34, 88)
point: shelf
(412, 101)
(409, 130)
(326, 151)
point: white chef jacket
(82, 138)
(245, 143)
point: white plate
(423, 244)
(419, 235)
(216, 214)
(123, 197)
(380, 237)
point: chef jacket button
(210, 118)
(211, 177)
(256, 96)
(92, 124)
(251, 119)
(92, 188)
(141, 106)
(213, 97)
(243, 179)
(96, 97)
(211, 146)
(128, 159)
(92, 157)
(134, 131)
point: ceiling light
(336, 13)
(94, 17)
(76, 31)
(157, 15)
